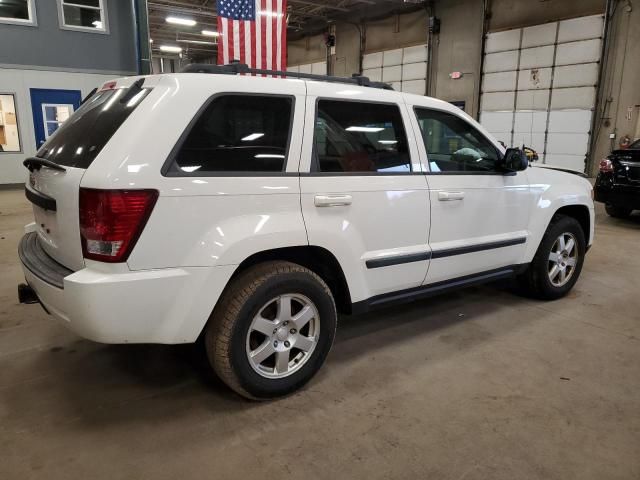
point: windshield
(81, 138)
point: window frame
(31, 22)
(78, 28)
(15, 107)
(499, 154)
(314, 167)
(169, 168)
(44, 116)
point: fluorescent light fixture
(210, 33)
(190, 169)
(388, 142)
(198, 42)
(189, 22)
(252, 137)
(169, 48)
(365, 129)
(268, 155)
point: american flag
(253, 32)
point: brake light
(112, 220)
(606, 166)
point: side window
(360, 137)
(238, 133)
(453, 145)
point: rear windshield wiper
(35, 163)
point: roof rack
(236, 68)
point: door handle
(332, 200)
(450, 196)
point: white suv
(245, 211)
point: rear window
(79, 140)
(237, 133)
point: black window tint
(238, 133)
(360, 137)
(79, 140)
(453, 145)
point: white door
(479, 213)
(364, 197)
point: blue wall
(47, 45)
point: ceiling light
(388, 142)
(252, 137)
(189, 22)
(210, 33)
(365, 129)
(199, 42)
(169, 48)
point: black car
(618, 182)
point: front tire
(557, 264)
(617, 212)
(272, 330)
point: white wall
(19, 82)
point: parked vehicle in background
(618, 181)
(248, 211)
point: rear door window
(360, 137)
(237, 133)
(81, 138)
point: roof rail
(237, 68)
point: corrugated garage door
(539, 87)
(404, 68)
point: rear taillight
(112, 220)
(606, 166)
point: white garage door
(317, 68)
(404, 68)
(539, 87)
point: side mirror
(515, 160)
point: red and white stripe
(261, 43)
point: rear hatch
(626, 164)
(57, 169)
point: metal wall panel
(372, 60)
(499, 82)
(584, 51)
(392, 57)
(532, 100)
(567, 143)
(498, 101)
(374, 74)
(580, 97)
(537, 57)
(534, 79)
(414, 86)
(570, 121)
(414, 54)
(500, 62)
(392, 74)
(585, 74)
(414, 71)
(539, 35)
(497, 121)
(581, 28)
(502, 41)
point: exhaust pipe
(26, 294)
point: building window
(83, 15)
(9, 135)
(20, 12)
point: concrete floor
(476, 384)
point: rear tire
(557, 264)
(271, 330)
(617, 212)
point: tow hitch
(26, 294)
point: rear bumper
(619, 195)
(169, 305)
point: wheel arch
(317, 259)
(580, 213)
